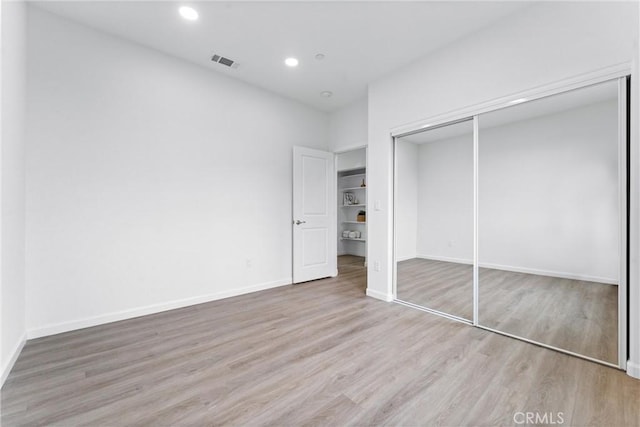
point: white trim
(474, 261)
(622, 221)
(446, 259)
(559, 274)
(582, 80)
(379, 295)
(633, 369)
(394, 228)
(150, 309)
(407, 258)
(6, 369)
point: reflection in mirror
(434, 219)
(548, 221)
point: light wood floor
(442, 286)
(320, 353)
(574, 315)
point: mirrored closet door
(515, 220)
(434, 219)
(549, 220)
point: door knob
(298, 222)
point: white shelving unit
(350, 181)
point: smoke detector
(219, 59)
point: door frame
(366, 162)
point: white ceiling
(361, 41)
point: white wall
(351, 159)
(407, 175)
(12, 177)
(445, 199)
(348, 127)
(548, 195)
(545, 43)
(152, 183)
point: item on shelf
(352, 234)
(348, 199)
(362, 216)
(345, 233)
(363, 184)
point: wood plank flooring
(574, 315)
(319, 353)
(439, 285)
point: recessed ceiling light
(320, 56)
(188, 13)
(326, 93)
(291, 62)
(518, 101)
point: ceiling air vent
(225, 61)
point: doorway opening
(351, 181)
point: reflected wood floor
(574, 315)
(439, 285)
(319, 353)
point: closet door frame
(624, 181)
(621, 73)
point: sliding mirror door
(434, 219)
(552, 220)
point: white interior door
(314, 215)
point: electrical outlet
(249, 263)
(376, 265)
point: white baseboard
(559, 274)
(446, 259)
(633, 369)
(379, 295)
(406, 258)
(73, 325)
(6, 369)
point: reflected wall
(434, 219)
(548, 221)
